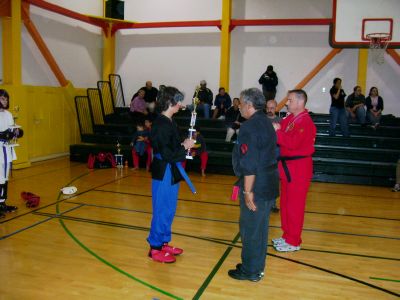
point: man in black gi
(254, 162)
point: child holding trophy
(166, 174)
(9, 132)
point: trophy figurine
(119, 157)
(191, 129)
(14, 128)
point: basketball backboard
(354, 20)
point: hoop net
(378, 43)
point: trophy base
(10, 145)
(189, 157)
(14, 126)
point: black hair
(168, 96)
(370, 90)
(336, 80)
(3, 93)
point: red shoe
(33, 202)
(28, 195)
(171, 250)
(161, 256)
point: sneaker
(171, 250)
(278, 241)
(286, 248)
(161, 256)
(7, 208)
(396, 188)
(239, 274)
(239, 265)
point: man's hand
(249, 200)
(276, 125)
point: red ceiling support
(122, 25)
(68, 13)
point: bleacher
(368, 157)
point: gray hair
(253, 96)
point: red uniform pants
(203, 161)
(293, 199)
(135, 157)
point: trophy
(14, 128)
(119, 157)
(191, 129)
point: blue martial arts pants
(164, 200)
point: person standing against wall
(254, 163)
(337, 111)
(296, 137)
(269, 81)
(166, 175)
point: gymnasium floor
(92, 245)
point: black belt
(283, 159)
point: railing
(117, 92)
(84, 113)
(106, 97)
(96, 105)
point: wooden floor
(93, 245)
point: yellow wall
(48, 117)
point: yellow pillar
(362, 69)
(12, 78)
(108, 53)
(225, 44)
(12, 45)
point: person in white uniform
(7, 153)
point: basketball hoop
(378, 43)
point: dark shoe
(275, 209)
(4, 208)
(239, 274)
(2, 215)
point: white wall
(172, 56)
(184, 56)
(76, 46)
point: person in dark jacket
(269, 81)
(355, 106)
(337, 111)
(169, 152)
(222, 103)
(254, 163)
(374, 104)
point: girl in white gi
(7, 153)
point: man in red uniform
(296, 137)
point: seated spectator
(200, 150)
(222, 102)
(337, 111)
(205, 97)
(138, 109)
(141, 145)
(233, 120)
(150, 96)
(396, 187)
(355, 106)
(374, 104)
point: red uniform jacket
(296, 138)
